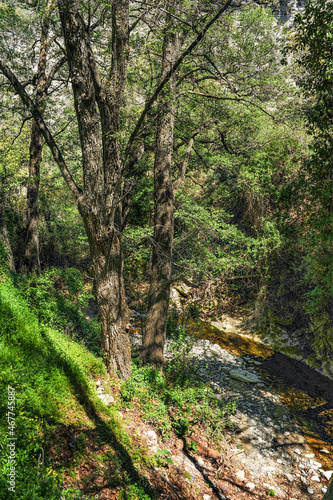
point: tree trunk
(4, 238)
(100, 203)
(159, 291)
(31, 261)
(109, 288)
(31, 245)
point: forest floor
(262, 452)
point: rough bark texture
(31, 245)
(4, 238)
(159, 292)
(99, 203)
(98, 115)
(31, 260)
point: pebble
(324, 451)
(206, 497)
(327, 474)
(315, 478)
(289, 477)
(309, 455)
(250, 486)
(200, 462)
(310, 491)
(240, 475)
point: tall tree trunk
(106, 253)
(159, 291)
(4, 238)
(31, 261)
(31, 245)
(100, 202)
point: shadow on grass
(105, 432)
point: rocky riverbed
(268, 449)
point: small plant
(192, 445)
(182, 427)
(162, 458)
(271, 493)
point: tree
(236, 68)
(43, 82)
(98, 108)
(312, 48)
(159, 292)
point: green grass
(175, 403)
(54, 382)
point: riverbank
(263, 453)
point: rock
(310, 491)
(107, 399)
(303, 480)
(240, 475)
(309, 455)
(206, 497)
(279, 461)
(216, 349)
(152, 435)
(290, 477)
(298, 451)
(315, 478)
(327, 474)
(200, 461)
(250, 486)
(152, 441)
(244, 376)
(324, 451)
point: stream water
(307, 393)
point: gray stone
(315, 478)
(250, 486)
(200, 462)
(244, 376)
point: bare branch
(27, 101)
(169, 74)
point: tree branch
(169, 74)
(27, 101)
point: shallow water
(306, 393)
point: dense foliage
(250, 198)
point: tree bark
(98, 115)
(99, 203)
(31, 260)
(159, 292)
(4, 237)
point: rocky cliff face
(285, 10)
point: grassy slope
(58, 415)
